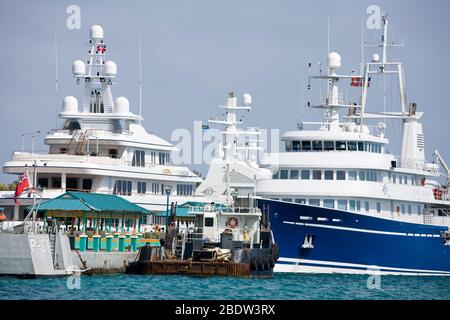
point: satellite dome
(110, 68)
(96, 32)
(247, 99)
(334, 60)
(121, 105)
(375, 57)
(78, 67)
(70, 104)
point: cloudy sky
(194, 52)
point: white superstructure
(101, 147)
(344, 163)
(236, 160)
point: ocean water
(280, 287)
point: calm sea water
(281, 286)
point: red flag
(359, 82)
(101, 48)
(23, 185)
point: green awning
(91, 202)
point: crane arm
(441, 161)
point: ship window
(362, 176)
(342, 204)
(164, 158)
(341, 145)
(314, 202)
(155, 187)
(141, 187)
(275, 175)
(358, 205)
(294, 174)
(113, 153)
(306, 174)
(328, 175)
(352, 175)
(419, 209)
(328, 145)
(283, 174)
(366, 146)
(409, 209)
(43, 182)
(301, 201)
(352, 205)
(352, 146)
(138, 158)
(405, 180)
(306, 145)
(378, 207)
(394, 178)
(328, 203)
(286, 199)
(62, 150)
(317, 175)
(288, 146)
(360, 146)
(184, 189)
(403, 208)
(366, 206)
(122, 187)
(209, 222)
(340, 175)
(87, 184)
(317, 145)
(296, 145)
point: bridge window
(352, 146)
(296, 146)
(283, 174)
(328, 145)
(317, 145)
(328, 175)
(352, 175)
(294, 174)
(314, 202)
(306, 145)
(378, 207)
(366, 206)
(164, 158)
(340, 175)
(341, 145)
(360, 146)
(317, 175)
(122, 187)
(306, 174)
(301, 201)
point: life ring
(232, 222)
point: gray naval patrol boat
(33, 249)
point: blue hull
(347, 242)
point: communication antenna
(56, 80)
(140, 77)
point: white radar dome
(78, 67)
(70, 104)
(247, 99)
(334, 60)
(121, 105)
(96, 32)
(110, 68)
(375, 58)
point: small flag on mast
(359, 82)
(23, 185)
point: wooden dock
(198, 268)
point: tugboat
(228, 240)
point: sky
(195, 52)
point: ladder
(427, 218)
